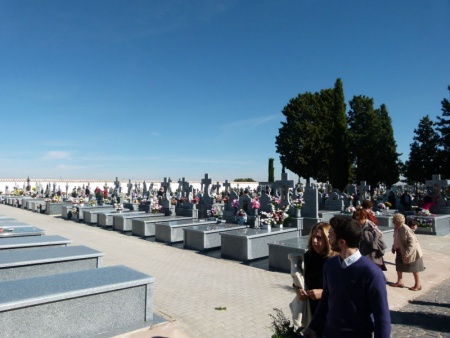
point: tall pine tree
(389, 171)
(339, 166)
(363, 124)
(443, 127)
(423, 156)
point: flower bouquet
(423, 222)
(214, 212)
(92, 203)
(424, 212)
(350, 210)
(255, 203)
(156, 208)
(235, 203)
(298, 203)
(381, 206)
(195, 200)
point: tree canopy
(423, 156)
(320, 140)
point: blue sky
(171, 88)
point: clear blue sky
(147, 89)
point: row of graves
(271, 221)
(50, 288)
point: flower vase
(298, 213)
(194, 206)
(266, 226)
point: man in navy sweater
(354, 299)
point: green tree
(363, 124)
(339, 164)
(389, 171)
(443, 127)
(301, 141)
(373, 147)
(423, 156)
(271, 171)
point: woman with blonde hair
(319, 250)
(409, 256)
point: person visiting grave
(406, 201)
(409, 256)
(371, 245)
(392, 199)
(354, 300)
(427, 202)
(412, 223)
(318, 251)
(367, 206)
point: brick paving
(189, 286)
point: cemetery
(268, 221)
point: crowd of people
(344, 284)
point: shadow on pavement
(426, 321)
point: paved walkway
(190, 286)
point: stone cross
(217, 187)
(166, 184)
(206, 182)
(117, 185)
(182, 184)
(129, 186)
(364, 187)
(144, 188)
(436, 182)
(226, 186)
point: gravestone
(364, 190)
(434, 186)
(206, 198)
(283, 187)
(226, 187)
(130, 187)
(117, 189)
(334, 202)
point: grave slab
(207, 236)
(100, 302)
(32, 242)
(248, 244)
(440, 225)
(146, 228)
(82, 209)
(125, 222)
(91, 216)
(54, 208)
(106, 218)
(279, 251)
(172, 231)
(16, 264)
(20, 230)
(33, 204)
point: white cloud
(56, 155)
